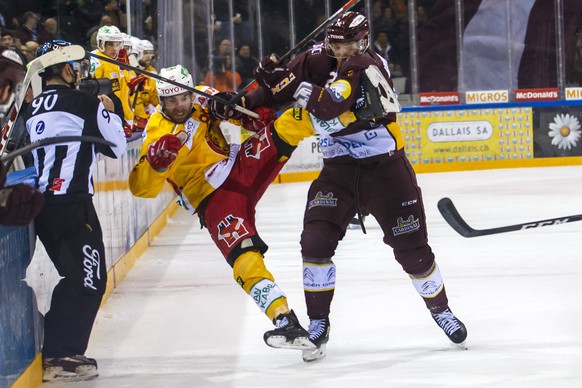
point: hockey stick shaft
(65, 54)
(451, 215)
(54, 140)
(186, 87)
(299, 46)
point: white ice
(180, 320)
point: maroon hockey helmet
(349, 27)
(12, 68)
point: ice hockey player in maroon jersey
(364, 167)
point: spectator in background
(224, 48)
(28, 30)
(6, 39)
(29, 50)
(384, 48)
(387, 23)
(90, 12)
(50, 29)
(92, 33)
(117, 17)
(221, 77)
(245, 64)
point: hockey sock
(431, 288)
(319, 286)
(252, 275)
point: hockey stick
(65, 54)
(454, 219)
(53, 140)
(193, 90)
(299, 46)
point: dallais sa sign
(439, 132)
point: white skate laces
(317, 329)
(451, 325)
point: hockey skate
(288, 333)
(74, 368)
(319, 335)
(452, 326)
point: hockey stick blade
(65, 54)
(454, 219)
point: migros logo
(478, 97)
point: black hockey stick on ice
(65, 54)
(186, 87)
(454, 219)
(299, 46)
(53, 140)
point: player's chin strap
(172, 82)
(53, 140)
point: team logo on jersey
(256, 144)
(231, 230)
(57, 184)
(323, 200)
(406, 225)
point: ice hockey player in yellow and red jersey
(222, 183)
(364, 167)
(109, 44)
(142, 89)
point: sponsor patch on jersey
(406, 226)
(231, 229)
(327, 200)
(297, 113)
(39, 127)
(57, 184)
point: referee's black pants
(72, 236)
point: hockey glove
(127, 130)
(266, 117)
(123, 57)
(273, 75)
(303, 93)
(220, 111)
(163, 152)
(19, 204)
(136, 84)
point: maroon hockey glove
(136, 84)
(266, 117)
(163, 152)
(19, 204)
(273, 75)
(221, 111)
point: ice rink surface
(180, 320)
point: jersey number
(47, 102)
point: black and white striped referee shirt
(66, 170)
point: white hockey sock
(318, 277)
(430, 284)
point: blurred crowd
(28, 24)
